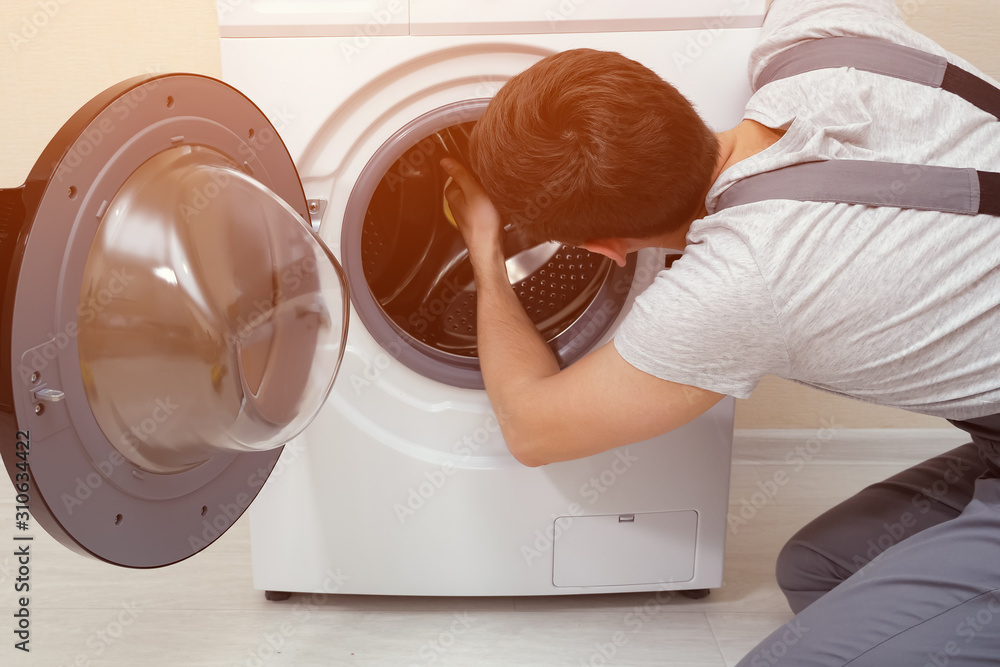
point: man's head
(590, 145)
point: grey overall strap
(886, 58)
(863, 182)
(948, 189)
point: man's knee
(796, 566)
(804, 574)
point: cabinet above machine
(381, 18)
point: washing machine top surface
(378, 18)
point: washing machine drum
(170, 320)
(412, 283)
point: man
(898, 307)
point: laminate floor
(205, 611)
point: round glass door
(206, 294)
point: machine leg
(696, 594)
(276, 596)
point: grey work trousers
(905, 573)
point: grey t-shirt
(894, 307)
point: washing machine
(403, 485)
(218, 294)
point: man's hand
(477, 220)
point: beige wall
(967, 28)
(57, 54)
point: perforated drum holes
(416, 263)
(411, 282)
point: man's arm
(547, 414)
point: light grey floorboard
(204, 611)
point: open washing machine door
(169, 319)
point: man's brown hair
(589, 144)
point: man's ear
(614, 249)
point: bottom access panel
(624, 549)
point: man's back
(889, 306)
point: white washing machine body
(403, 484)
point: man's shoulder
(790, 22)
